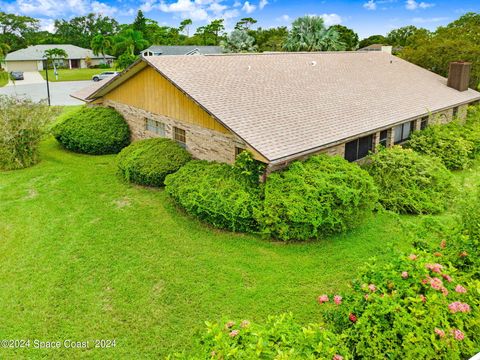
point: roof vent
(459, 75)
(313, 63)
(249, 68)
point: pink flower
(444, 291)
(366, 296)
(447, 277)
(425, 281)
(440, 332)
(405, 275)
(458, 335)
(337, 299)
(352, 318)
(244, 324)
(436, 283)
(460, 289)
(413, 257)
(424, 299)
(322, 299)
(337, 357)
(234, 333)
(434, 267)
(443, 244)
(229, 324)
(458, 306)
(372, 288)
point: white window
(156, 127)
(402, 132)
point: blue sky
(367, 17)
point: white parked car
(104, 75)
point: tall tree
(4, 49)
(185, 25)
(101, 45)
(271, 39)
(215, 28)
(202, 33)
(82, 29)
(52, 55)
(347, 36)
(130, 41)
(374, 39)
(15, 30)
(245, 23)
(403, 36)
(309, 33)
(140, 23)
(239, 41)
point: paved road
(59, 91)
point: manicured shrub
(279, 336)
(148, 162)
(317, 197)
(216, 193)
(445, 142)
(93, 130)
(23, 124)
(409, 182)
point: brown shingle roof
(289, 103)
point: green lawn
(3, 78)
(85, 256)
(72, 74)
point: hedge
(93, 130)
(315, 198)
(148, 162)
(216, 193)
(410, 183)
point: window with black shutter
(383, 138)
(424, 123)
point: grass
(85, 256)
(72, 74)
(3, 78)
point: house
(157, 50)
(377, 47)
(32, 59)
(283, 106)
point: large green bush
(446, 142)
(93, 130)
(23, 124)
(148, 162)
(216, 193)
(472, 129)
(409, 182)
(317, 197)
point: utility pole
(48, 86)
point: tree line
(433, 50)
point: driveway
(30, 77)
(59, 91)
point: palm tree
(101, 45)
(54, 54)
(185, 24)
(130, 40)
(4, 49)
(310, 34)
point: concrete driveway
(59, 91)
(30, 77)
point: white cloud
(262, 4)
(217, 8)
(331, 19)
(47, 25)
(186, 9)
(285, 18)
(421, 20)
(237, 3)
(414, 5)
(248, 8)
(104, 9)
(370, 5)
(147, 6)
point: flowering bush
(281, 337)
(409, 182)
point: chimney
(459, 75)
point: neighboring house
(282, 106)
(157, 50)
(377, 47)
(31, 58)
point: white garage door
(22, 66)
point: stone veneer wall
(202, 143)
